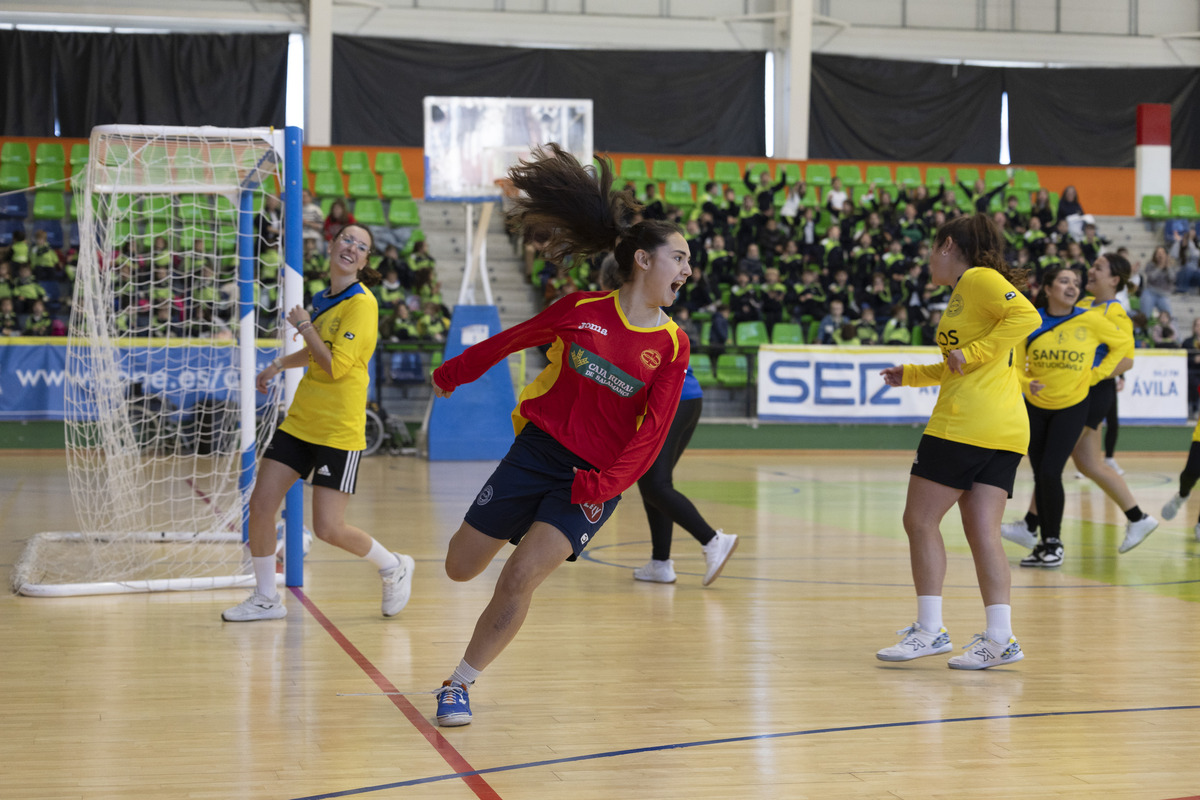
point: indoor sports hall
(129, 214)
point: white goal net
(175, 309)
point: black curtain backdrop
(875, 109)
(655, 102)
(228, 80)
(1088, 117)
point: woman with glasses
(324, 433)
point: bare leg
(541, 551)
(470, 552)
(982, 509)
(270, 487)
(927, 503)
(329, 522)
(1089, 459)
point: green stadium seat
(967, 175)
(818, 174)
(50, 153)
(936, 176)
(995, 177)
(49, 205)
(787, 333)
(355, 161)
(1024, 202)
(915, 337)
(1184, 205)
(850, 174)
(727, 172)
(664, 170)
(153, 231)
(679, 193)
(15, 153)
(908, 176)
(76, 199)
(326, 203)
(791, 170)
(634, 169)
(79, 154)
(52, 177)
(696, 172)
(879, 174)
(362, 184)
(394, 185)
(404, 213)
(702, 368)
(1154, 206)
(756, 168)
(158, 207)
(369, 211)
(1026, 180)
(750, 334)
(812, 197)
(388, 161)
(328, 184)
(13, 176)
(416, 236)
(196, 207)
(857, 193)
(322, 160)
(226, 210)
(733, 370)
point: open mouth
(677, 285)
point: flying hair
(982, 245)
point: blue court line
(725, 576)
(735, 740)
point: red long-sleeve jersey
(608, 395)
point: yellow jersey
(1062, 354)
(985, 319)
(1113, 311)
(331, 410)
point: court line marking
(1091, 584)
(738, 740)
(471, 776)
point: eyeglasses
(352, 242)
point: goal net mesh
(154, 422)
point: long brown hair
(567, 209)
(982, 245)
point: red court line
(446, 750)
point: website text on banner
(832, 385)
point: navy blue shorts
(533, 484)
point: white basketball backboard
(470, 142)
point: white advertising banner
(823, 383)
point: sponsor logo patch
(348, 335)
(592, 512)
(485, 496)
(1010, 295)
(651, 359)
(592, 367)
(956, 306)
(591, 326)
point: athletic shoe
(1019, 533)
(1112, 462)
(982, 653)
(1171, 507)
(1045, 554)
(1136, 533)
(716, 553)
(917, 643)
(1078, 475)
(256, 607)
(397, 585)
(453, 708)
(656, 571)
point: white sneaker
(916, 643)
(1136, 533)
(716, 553)
(397, 585)
(983, 653)
(1019, 533)
(656, 571)
(1171, 507)
(1112, 462)
(256, 607)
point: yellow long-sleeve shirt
(985, 319)
(1062, 354)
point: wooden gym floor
(764, 685)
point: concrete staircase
(1141, 237)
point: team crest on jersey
(956, 306)
(1080, 334)
(333, 327)
(485, 496)
(651, 359)
(594, 368)
(592, 513)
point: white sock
(381, 557)
(999, 622)
(465, 673)
(264, 575)
(929, 612)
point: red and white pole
(1153, 159)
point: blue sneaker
(453, 708)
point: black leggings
(1191, 471)
(1112, 427)
(664, 504)
(1052, 436)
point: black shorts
(960, 466)
(533, 484)
(330, 467)
(1101, 399)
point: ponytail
(982, 245)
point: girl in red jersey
(593, 421)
